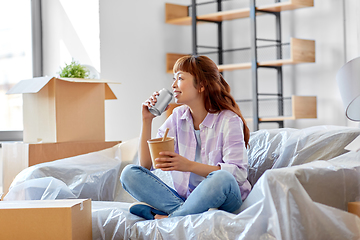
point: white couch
(302, 181)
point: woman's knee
(128, 173)
(222, 179)
(222, 175)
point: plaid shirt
(222, 144)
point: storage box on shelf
(301, 107)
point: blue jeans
(218, 190)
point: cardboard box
(46, 219)
(354, 207)
(63, 109)
(18, 156)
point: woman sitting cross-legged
(209, 165)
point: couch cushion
(276, 148)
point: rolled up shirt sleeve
(234, 155)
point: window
(15, 59)
(20, 56)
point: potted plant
(74, 70)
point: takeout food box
(68, 219)
(63, 109)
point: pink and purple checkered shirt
(222, 144)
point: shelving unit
(178, 14)
(301, 107)
(301, 51)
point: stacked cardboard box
(62, 118)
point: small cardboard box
(63, 109)
(354, 207)
(46, 219)
(18, 156)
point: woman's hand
(173, 162)
(176, 162)
(146, 114)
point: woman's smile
(176, 93)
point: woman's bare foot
(157, 216)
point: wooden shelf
(178, 14)
(171, 59)
(301, 51)
(301, 106)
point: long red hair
(217, 95)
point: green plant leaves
(74, 70)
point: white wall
(134, 40)
(70, 30)
(324, 24)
